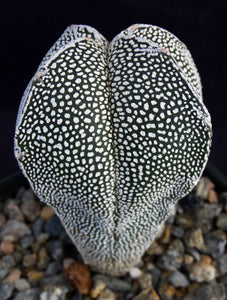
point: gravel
(188, 261)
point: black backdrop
(29, 28)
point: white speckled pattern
(112, 136)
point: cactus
(111, 136)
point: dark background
(29, 29)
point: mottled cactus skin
(111, 136)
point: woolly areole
(111, 136)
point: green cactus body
(111, 136)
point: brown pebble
(47, 212)
(78, 274)
(107, 294)
(7, 247)
(212, 197)
(188, 259)
(194, 238)
(155, 249)
(97, 287)
(35, 275)
(29, 260)
(166, 235)
(206, 259)
(13, 276)
(147, 294)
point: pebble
(6, 290)
(53, 268)
(194, 238)
(29, 260)
(214, 245)
(47, 212)
(114, 284)
(145, 281)
(156, 275)
(203, 187)
(55, 280)
(14, 211)
(3, 273)
(37, 226)
(155, 249)
(212, 197)
(213, 291)
(54, 293)
(7, 247)
(135, 272)
(30, 294)
(97, 287)
(178, 280)
(26, 241)
(107, 294)
(8, 261)
(188, 259)
(22, 284)
(13, 275)
(148, 294)
(31, 209)
(14, 229)
(34, 259)
(177, 232)
(55, 249)
(222, 221)
(173, 257)
(221, 265)
(54, 227)
(35, 276)
(201, 271)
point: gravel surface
(187, 261)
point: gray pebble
(30, 294)
(178, 280)
(214, 245)
(53, 268)
(222, 221)
(173, 258)
(54, 227)
(177, 231)
(27, 195)
(55, 280)
(3, 273)
(223, 279)
(22, 284)
(54, 293)
(194, 253)
(55, 248)
(6, 290)
(18, 256)
(214, 291)
(37, 226)
(26, 241)
(221, 265)
(156, 275)
(14, 212)
(14, 228)
(8, 261)
(31, 209)
(114, 284)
